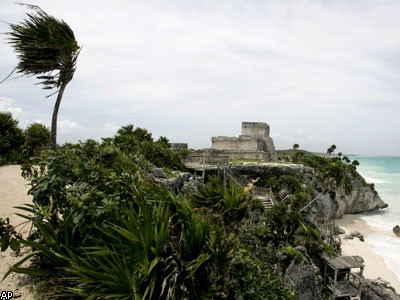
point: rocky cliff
(331, 201)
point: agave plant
(156, 248)
(50, 251)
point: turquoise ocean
(384, 173)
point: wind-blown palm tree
(331, 149)
(46, 48)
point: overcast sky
(318, 72)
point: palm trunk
(55, 115)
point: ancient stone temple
(254, 143)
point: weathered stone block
(254, 143)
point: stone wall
(255, 129)
(253, 143)
(244, 143)
(178, 146)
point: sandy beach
(375, 264)
(13, 192)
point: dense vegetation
(18, 145)
(338, 169)
(104, 229)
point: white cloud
(68, 126)
(7, 105)
(192, 70)
(111, 128)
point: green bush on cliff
(339, 170)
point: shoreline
(375, 265)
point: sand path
(13, 192)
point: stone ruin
(179, 146)
(254, 143)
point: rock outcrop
(355, 234)
(182, 181)
(332, 201)
(335, 202)
(305, 280)
(378, 289)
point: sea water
(384, 173)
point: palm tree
(46, 48)
(331, 149)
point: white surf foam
(387, 247)
(375, 180)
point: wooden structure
(205, 163)
(340, 279)
(265, 195)
(327, 229)
(202, 162)
(219, 165)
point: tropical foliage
(16, 144)
(337, 170)
(105, 229)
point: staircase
(267, 202)
(264, 194)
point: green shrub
(37, 139)
(252, 280)
(11, 139)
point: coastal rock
(378, 289)
(339, 230)
(332, 202)
(396, 230)
(354, 234)
(305, 280)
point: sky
(319, 72)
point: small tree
(37, 138)
(296, 146)
(11, 139)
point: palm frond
(44, 45)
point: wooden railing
(204, 161)
(258, 192)
(326, 227)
